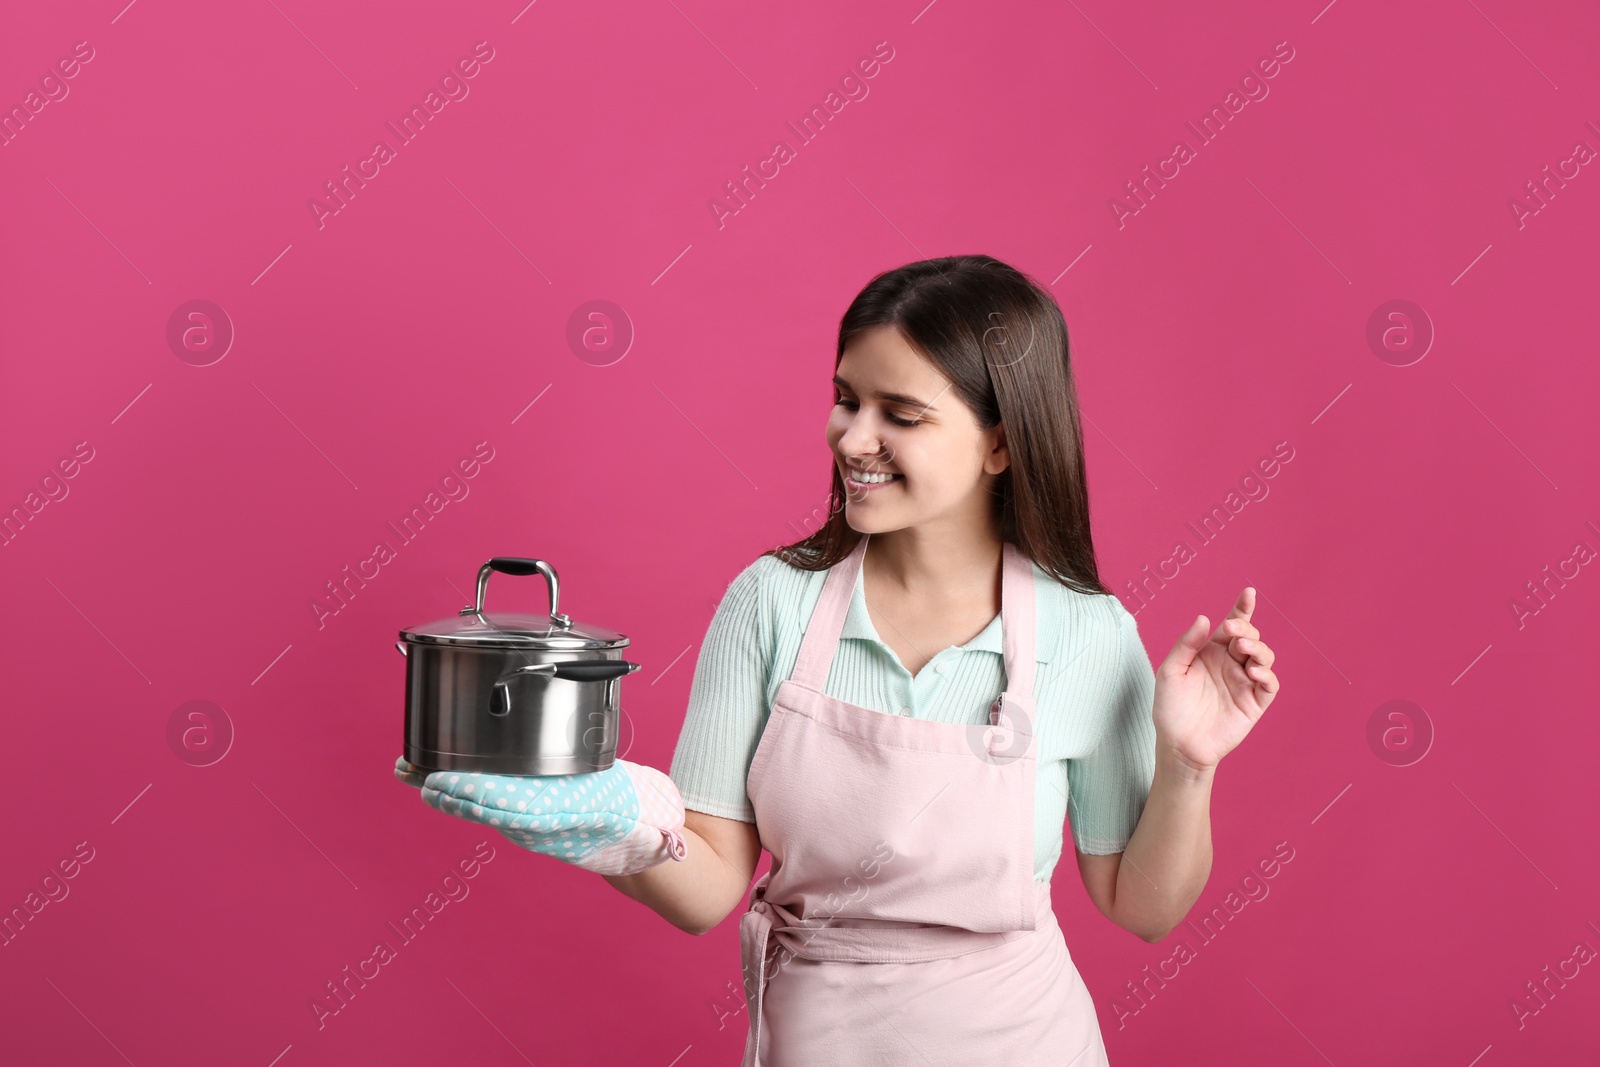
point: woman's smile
(861, 482)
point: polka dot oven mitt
(622, 820)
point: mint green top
(1093, 690)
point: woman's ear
(999, 457)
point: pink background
(1228, 314)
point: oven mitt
(622, 820)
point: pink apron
(900, 922)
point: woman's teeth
(872, 479)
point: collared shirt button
(940, 667)
(905, 711)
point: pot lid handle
(521, 566)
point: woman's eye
(851, 404)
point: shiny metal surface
(503, 629)
(551, 726)
(481, 698)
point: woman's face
(896, 414)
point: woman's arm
(698, 892)
(1209, 693)
(1150, 886)
(721, 730)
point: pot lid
(474, 627)
(501, 629)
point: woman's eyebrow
(897, 398)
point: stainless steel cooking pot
(508, 693)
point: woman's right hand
(622, 820)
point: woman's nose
(858, 442)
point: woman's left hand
(1211, 690)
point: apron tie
(850, 941)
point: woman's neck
(934, 567)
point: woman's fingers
(1236, 627)
(1248, 652)
(1263, 677)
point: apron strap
(827, 621)
(1018, 621)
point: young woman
(905, 707)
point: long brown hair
(1000, 338)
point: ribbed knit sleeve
(727, 703)
(1110, 784)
